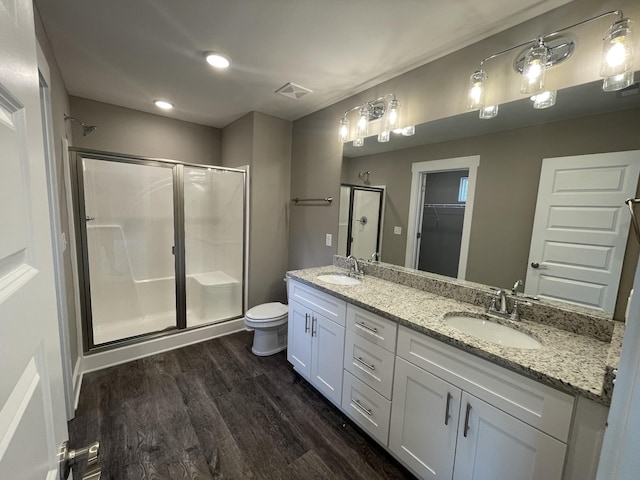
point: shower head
(86, 129)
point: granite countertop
(570, 362)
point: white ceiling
(130, 52)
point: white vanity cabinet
(369, 357)
(315, 345)
(458, 416)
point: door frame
(419, 169)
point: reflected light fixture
(163, 104)
(617, 56)
(543, 52)
(369, 112)
(217, 59)
(544, 99)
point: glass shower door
(129, 235)
(214, 243)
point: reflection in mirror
(359, 229)
(511, 148)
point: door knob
(535, 265)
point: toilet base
(269, 342)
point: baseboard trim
(117, 356)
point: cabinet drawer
(369, 362)
(329, 306)
(374, 328)
(366, 407)
(536, 404)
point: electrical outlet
(397, 230)
(328, 239)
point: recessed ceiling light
(218, 60)
(163, 104)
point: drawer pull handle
(367, 327)
(363, 408)
(368, 365)
(446, 413)
(306, 322)
(466, 420)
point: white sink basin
(337, 279)
(493, 332)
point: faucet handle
(518, 284)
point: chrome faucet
(502, 298)
(356, 270)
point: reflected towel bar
(630, 203)
(325, 199)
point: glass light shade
(617, 49)
(163, 104)
(618, 82)
(384, 136)
(217, 60)
(476, 90)
(533, 72)
(362, 127)
(544, 100)
(408, 131)
(343, 132)
(358, 142)
(392, 117)
(489, 112)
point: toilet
(269, 321)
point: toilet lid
(267, 311)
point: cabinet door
(494, 445)
(299, 339)
(424, 421)
(327, 357)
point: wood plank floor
(216, 411)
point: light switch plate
(328, 239)
(397, 230)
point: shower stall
(162, 245)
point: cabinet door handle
(368, 365)
(306, 322)
(363, 408)
(446, 413)
(367, 327)
(466, 420)
(314, 330)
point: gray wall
(435, 90)
(122, 130)
(59, 107)
(506, 189)
(264, 143)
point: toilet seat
(267, 312)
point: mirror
(511, 147)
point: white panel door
(494, 445)
(32, 408)
(580, 228)
(424, 421)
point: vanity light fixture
(217, 60)
(489, 112)
(163, 104)
(544, 99)
(368, 112)
(548, 50)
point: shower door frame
(77, 180)
(352, 189)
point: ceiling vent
(291, 90)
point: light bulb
(489, 112)
(217, 60)
(358, 142)
(343, 131)
(384, 136)
(476, 91)
(617, 56)
(163, 104)
(533, 72)
(544, 100)
(392, 116)
(408, 131)
(362, 127)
